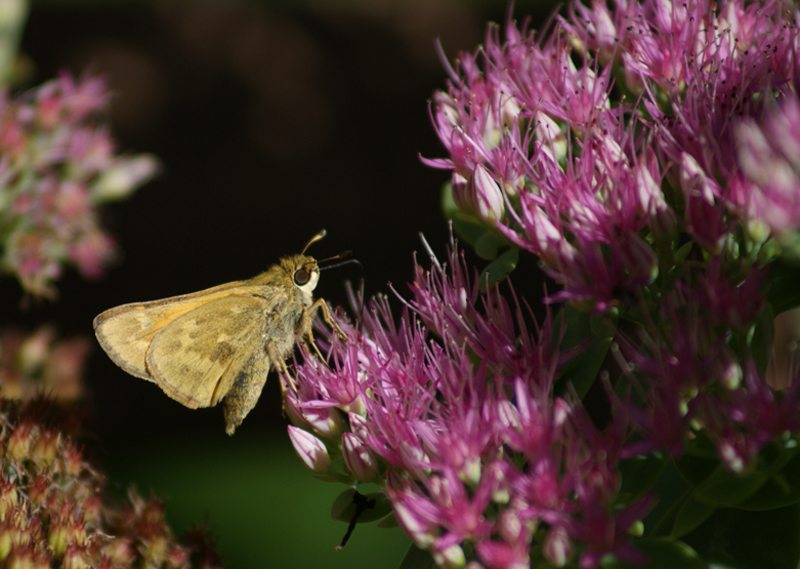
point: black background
(272, 121)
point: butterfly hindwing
(196, 358)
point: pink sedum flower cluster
(648, 156)
(465, 432)
(594, 183)
(58, 163)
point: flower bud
(45, 448)
(358, 458)
(358, 426)
(74, 460)
(421, 532)
(325, 422)
(19, 443)
(639, 258)
(479, 195)
(38, 490)
(8, 497)
(66, 528)
(35, 349)
(119, 551)
(486, 195)
(458, 187)
(451, 557)
(293, 411)
(155, 550)
(76, 557)
(124, 176)
(91, 508)
(557, 548)
(736, 452)
(605, 33)
(704, 217)
(310, 450)
(731, 375)
(177, 556)
(26, 557)
(551, 136)
(513, 528)
(470, 470)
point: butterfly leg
(326, 313)
(305, 328)
(279, 363)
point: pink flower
(657, 215)
(768, 192)
(56, 166)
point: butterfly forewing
(196, 358)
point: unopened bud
(358, 458)
(311, 451)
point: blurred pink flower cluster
(57, 164)
(39, 364)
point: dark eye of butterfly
(301, 277)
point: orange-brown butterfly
(218, 344)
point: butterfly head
(303, 272)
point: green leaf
(702, 447)
(487, 245)
(683, 252)
(781, 490)
(639, 474)
(762, 338)
(749, 540)
(389, 521)
(449, 208)
(690, 515)
(784, 292)
(604, 326)
(498, 269)
(582, 369)
(672, 490)
(374, 506)
(416, 558)
(468, 231)
(577, 326)
(696, 469)
(664, 553)
(724, 488)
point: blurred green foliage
(262, 505)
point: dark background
(272, 120)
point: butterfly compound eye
(301, 277)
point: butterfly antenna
(343, 255)
(314, 239)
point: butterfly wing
(197, 357)
(125, 332)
